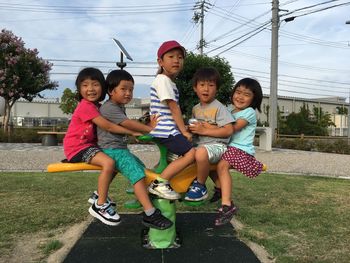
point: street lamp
(123, 52)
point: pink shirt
(81, 132)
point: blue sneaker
(197, 192)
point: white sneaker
(94, 197)
(163, 190)
(105, 213)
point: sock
(162, 180)
(150, 211)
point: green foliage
(184, 81)
(23, 74)
(68, 101)
(304, 122)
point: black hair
(93, 74)
(254, 86)
(207, 74)
(115, 77)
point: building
(47, 113)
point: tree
(306, 123)
(188, 98)
(22, 73)
(68, 101)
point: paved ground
(35, 157)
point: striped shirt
(162, 89)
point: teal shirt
(244, 138)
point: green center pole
(164, 238)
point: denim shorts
(127, 164)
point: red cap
(169, 45)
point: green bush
(331, 146)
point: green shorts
(127, 164)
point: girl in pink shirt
(80, 141)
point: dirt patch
(258, 250)
(69, 238)
(28, 248)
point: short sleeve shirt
(214, 113)
(244, 138)
(81, 132)
(114, 113)
(162, 89)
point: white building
(46, 112)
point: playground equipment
(153, 238)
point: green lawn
(296, 218)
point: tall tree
(23, 74)
(188, 98)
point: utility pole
(349, 117)
(201, 40)
(198, 17)
(274, 67)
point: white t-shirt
(162, 89)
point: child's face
(91, 90)
(172, 62)
(122, 94)
(242, 98)
(206, 91)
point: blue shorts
(127, 164)
(177, 144)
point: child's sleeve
(164, 89)
(88, 111)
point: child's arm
(136, 126)
(112, 127)
(177, 116)
(239, 124)
(206, 129)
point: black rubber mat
(201, 242)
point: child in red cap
(170, 130)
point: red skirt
(242, 162)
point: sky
(313, 53)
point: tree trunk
(7, 113)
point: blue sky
(314, 49)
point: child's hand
(207, 125)
(188, 136)
(198, 128)
(154, 119)
(136, 134)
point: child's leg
(228, 209)
(106, 175)
(203, 165)
(178, 165)
(223, 169)
(141, 194)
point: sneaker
(106, 214)
(216, 196)
(156, 220)
(197, 192)
(225, 214)
(94, 197)
(163, 190)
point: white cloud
(76, 36)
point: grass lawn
(296, 218)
